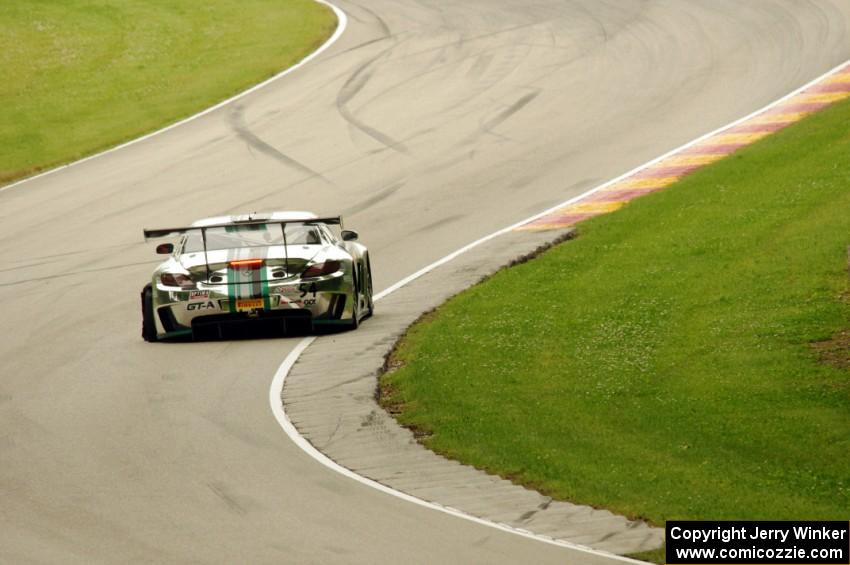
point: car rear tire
(369, 299)
(148, 324)
(354, 322)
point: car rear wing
(173, 232)
(166, 232)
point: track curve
(422, 123)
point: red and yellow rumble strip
(665, 172)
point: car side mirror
(165, 249)
(349, 235)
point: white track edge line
(342, 23)
(309, 449)
(276, 389)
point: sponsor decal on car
(249, 304)
(199, 294)
(294, 295)
(289, 291)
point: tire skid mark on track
(58, 256)
(505, 114)
(385, 29)
(439, 223)
(80, 272)
(350, 89)
(451, 54)
(236, 120)
(380, 196)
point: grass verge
(670, 362)
(82, 75)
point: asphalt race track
(427, 125)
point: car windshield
(253, 235)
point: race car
(277, 272)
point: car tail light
(320, 269)
(246, 263)
(177, 279)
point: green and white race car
(278, 272)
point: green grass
(82, 75)
(660, 365)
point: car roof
(272, 216)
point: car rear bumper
(290, 308)
(265, 323)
